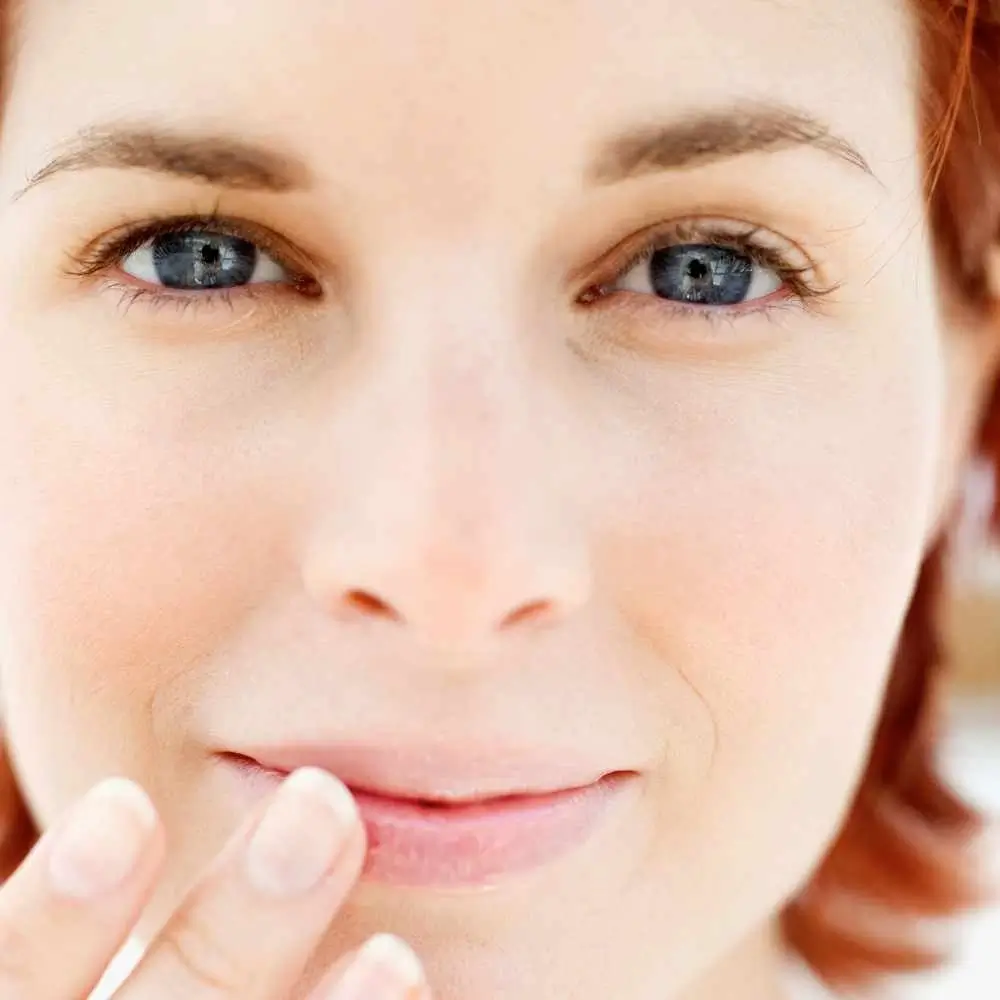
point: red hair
(904, 850)
(905, 853)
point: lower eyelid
(643, 312)
(648, 300)
(128, 295)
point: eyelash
(113, 248)
(801, 290)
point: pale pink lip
(417, 838)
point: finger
(71, 904)
(248, 929)
(385, 968)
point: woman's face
(340, 405)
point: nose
(446, 585)
(453, 504)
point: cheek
(770, 533)
(129, 557)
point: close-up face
(491, 397)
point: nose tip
(455, 591)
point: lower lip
(473, 845)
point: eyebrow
(722, 134)
(225, 161)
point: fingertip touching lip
(446, 818)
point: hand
(246, 931)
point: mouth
(432, 822)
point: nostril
(533, 612)
(370, 605)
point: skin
(714, 521)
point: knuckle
(203, 961)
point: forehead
(469, 94)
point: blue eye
(201, 260)
(700, 274)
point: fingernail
(385, 968)
(102, 840)
(300, 837)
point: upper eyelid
(629, 251)
(748, 242)
(584, 275)
(713, 230)
(100, 252)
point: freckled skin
(715, 521)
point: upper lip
(444, 773)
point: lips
(434, 772)
(435, 816)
